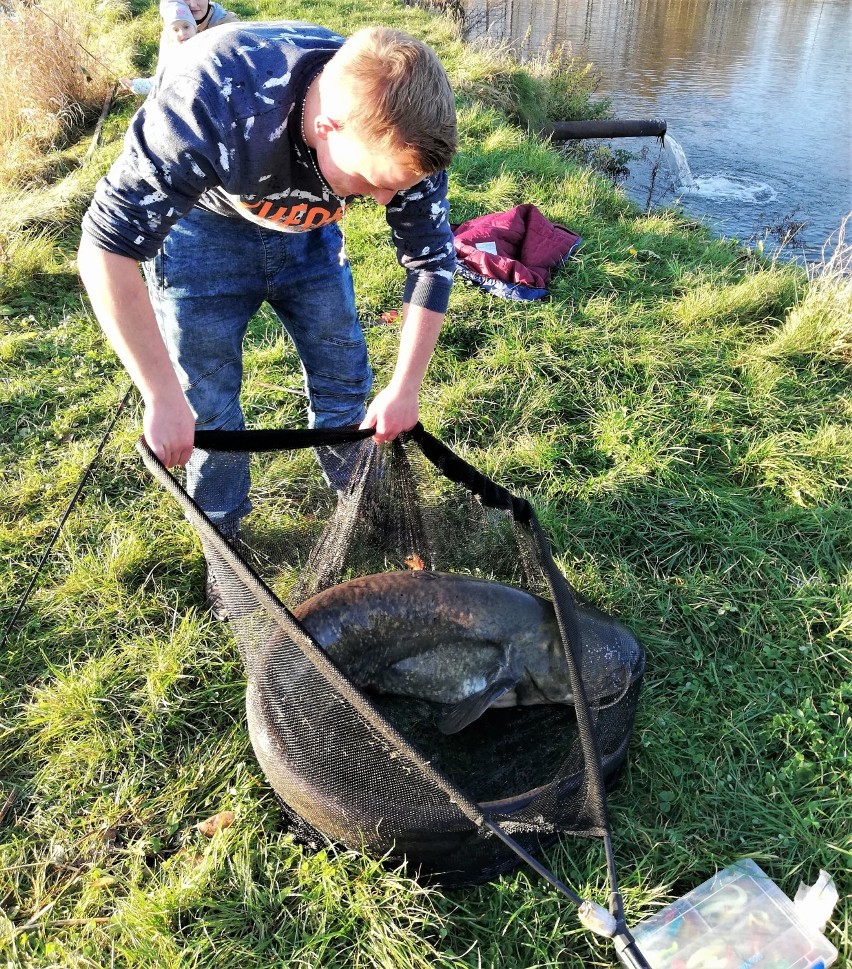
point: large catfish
(464, 641)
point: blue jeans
(208, 280)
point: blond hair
(395, 95)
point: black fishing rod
(610, 924)
(67, 512)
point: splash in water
(678, 164)
(721, 187)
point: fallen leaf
(390, 316)
(220, 821)
(191, 858)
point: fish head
(550, 676)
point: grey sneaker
(212, 590)
(214, 597)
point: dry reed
(52, 79)
(820, 326)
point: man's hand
(396, 408)
(170, 430)
(121, 303)
(393, 410)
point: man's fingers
(388, 421)
(381, 435)
(183, 457)
(171, 457)
(178, 457)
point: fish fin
(472, 707)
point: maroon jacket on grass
(513, 253)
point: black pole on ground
(65, 515)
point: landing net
(373, 771)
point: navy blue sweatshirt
(221, 129)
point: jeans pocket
(155, 273)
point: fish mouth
(606, 681)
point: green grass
(679, 414)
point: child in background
(214, 14)
(181, 22)
(178, 22)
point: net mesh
(372, 769)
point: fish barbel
(468, 642)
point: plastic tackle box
(740, 919)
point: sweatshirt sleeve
(171, 156)
(419, 222)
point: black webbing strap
(491, 495)
(458, 470)
(276, 440)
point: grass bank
(679, 413)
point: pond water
(757, 96)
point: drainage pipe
(604, 128)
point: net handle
(278, 613)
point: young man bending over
(232, 190)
